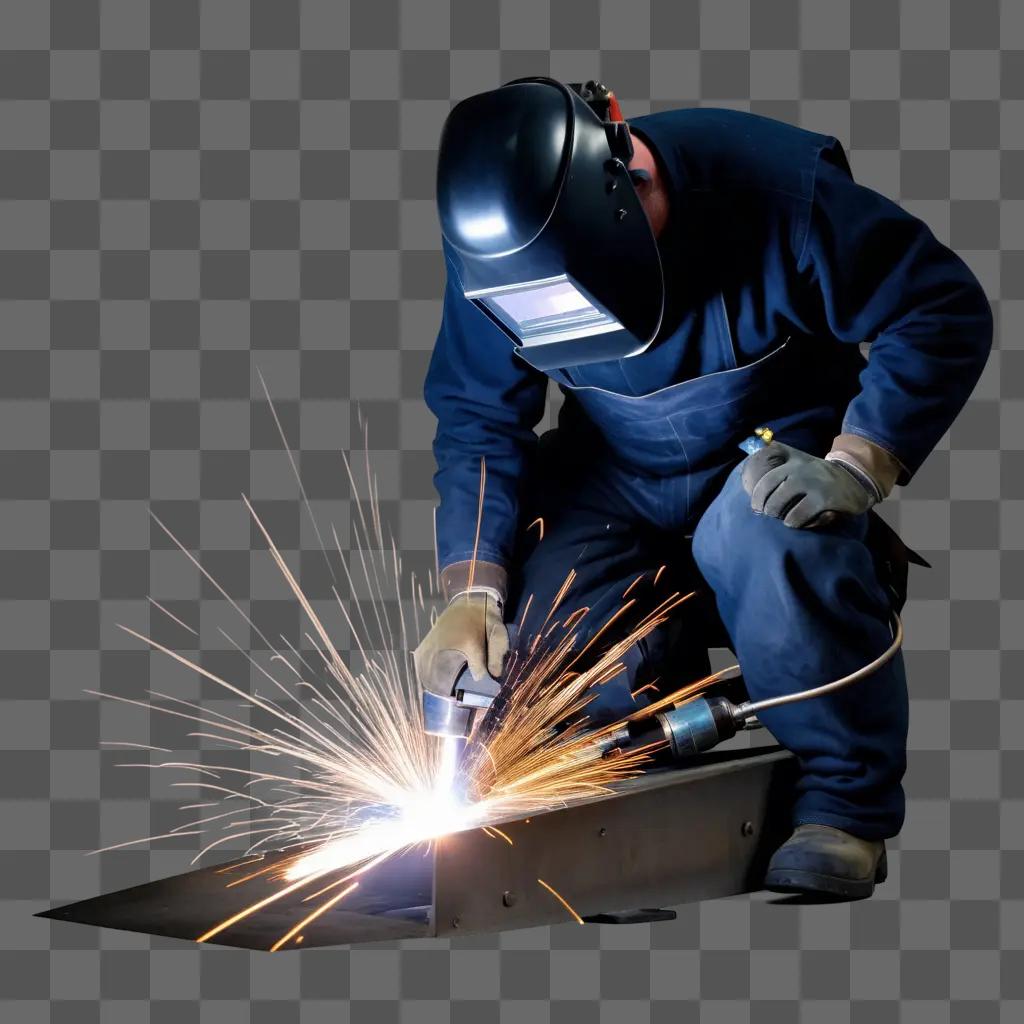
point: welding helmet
(543, 228)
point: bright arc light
(421, 817)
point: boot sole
(812, 883)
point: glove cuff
(486, 576)
(864, 479)
(490, 592)
(876, 462)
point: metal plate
(668, 837)
(665, 838)
(392, 902)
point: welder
(686, 277)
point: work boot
(825, 861)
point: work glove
(803, 490)
(470, 631)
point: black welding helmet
(542, 225)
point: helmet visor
(548, 310)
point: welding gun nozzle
(458, 714)
(444, 716)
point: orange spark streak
(649, 686)
(539, 521)
(326, 905)
(479, 519)
(171, 615)
(235, 918)
(657, 575)
(255, 874)
(679, 695)
(241, 864)
(352, 874)
(491, 828)
(625, 593)
(526, 609)
(561, 899)
(590, 643)
(559, 597)
(573, 617)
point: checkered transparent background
(191, 192)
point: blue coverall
(777, 265)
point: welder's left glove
(805, 491)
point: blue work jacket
(777, 266)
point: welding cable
(697, 724)
(744, 711)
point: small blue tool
(760, 437)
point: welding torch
(457, 715)
(691, 727)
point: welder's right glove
(806, 491)
(470, 631)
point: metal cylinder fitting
(443, 716)
(698, 725)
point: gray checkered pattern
(191, 191)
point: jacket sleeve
(487, 401)
(884, 278)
